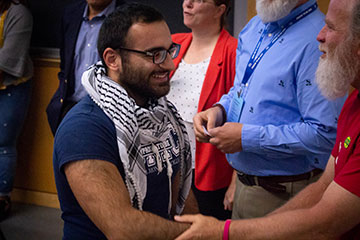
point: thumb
(210, 123)
(213, 131)
(184, 218)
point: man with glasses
(122, 159)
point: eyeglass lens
(192, 1)
(160, 56)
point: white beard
(337, 71)
(273, 10)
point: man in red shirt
(329, 208)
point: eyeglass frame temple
(150, 54)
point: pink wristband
(226, 229)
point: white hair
(273, 10)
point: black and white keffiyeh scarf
(128, 119)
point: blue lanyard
(253, 62)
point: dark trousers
(211, 202)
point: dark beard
(137, 83)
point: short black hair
(115, 28)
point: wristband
(226, 229)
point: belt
(271, 183)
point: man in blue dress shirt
(80, 26)
(274, 124)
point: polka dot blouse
(185, 89)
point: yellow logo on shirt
(347, 142)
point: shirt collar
(273, 26)
(106, 12)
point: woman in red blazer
(205, 70)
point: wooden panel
(34, 168)
(36, 198)
(251, 9)
(323, 5)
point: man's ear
(112, 59)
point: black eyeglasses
(197, 1)
(158, 56)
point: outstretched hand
(202, 227)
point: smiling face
(336, 27)
(339, 65)
(139, 75)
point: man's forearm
(297, 224)
(312, 194)
(137, 224)
(103, 196)
(336, 213)
(305, 199)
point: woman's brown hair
(223, 17)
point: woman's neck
(203, 36)
(202, 44)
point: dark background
(47, 16)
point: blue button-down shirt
(86, 52)
(289, 127)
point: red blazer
(212, 171)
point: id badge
(235, 110)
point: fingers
(200, 120)
(198, 123)
(185, 218)
(227, 205)
(211, 123)
(188, 234)
(216, 139)
(228, 201)
(213, 117)
(227, 138)
(207, 119)
(230, 193)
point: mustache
(161, 73)
(322, 48)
